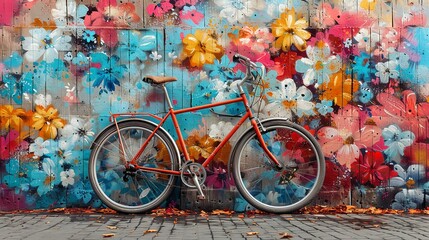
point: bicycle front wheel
(270, 189)
(131, 190)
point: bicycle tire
(126, 193)
(264, 187)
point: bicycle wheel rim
(268, 189)
(138, 193)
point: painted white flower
(43, 100)
(273, 198)
(39, 147)
(155, 56)
(319, 65)
(45, 44)
(220, 129)
(68, 13)
(288, 98)
(237, 10)
(67, 177)
(77, 131)
(387, 70)
(396, 141)
(401, 57)
(367, 38)
(66, 156)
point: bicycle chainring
(190, 168)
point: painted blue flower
(222, 69)
(14, 89)
(13, 61)
(362, 67)
(324, 107)
(82, 192)
(80, 59)
(132, 46)
(408, 199)
(107, 74)
(365, 93)
(396, 140)
(46, 178)
(88, 36)
(16, 175)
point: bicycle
(277, 165)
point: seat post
(167, 97)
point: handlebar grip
(237, 57)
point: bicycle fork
(257, 125)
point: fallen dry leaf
(107, 235)
(285, 235)
(112, 227)
(222, 212)
(252, 233)
(150, 231)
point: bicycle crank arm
(201, 195)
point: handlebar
(238, 58)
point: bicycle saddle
(158, 79)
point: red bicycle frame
(173, 113)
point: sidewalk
(236, 226)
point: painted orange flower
(46, 120)
(288, 30)
(11, 118)
(124, 15)
(339, 90)
(201, 48)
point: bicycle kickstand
(201, 195)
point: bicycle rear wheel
(278, 191)
(132, 190)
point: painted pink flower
(99, 22)
(191, 13)
(344, 139)
(262, 57)
(327, 16)
(158, 10)
(258, 38)
(405, 112)
(9, 9)
(182, 3)
(108, 17)
(11, 144)
(218, 177)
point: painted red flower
(371, 169)
(9, 9)
(284, 64)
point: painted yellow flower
(46, 120)
(201, 48)
(11, 118)
(368, 4)
(339, 90)
(288, 30)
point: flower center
(289, 104)
(349, 140)
(48, 180)
(81, 132)
(48, 42)
(318, 65)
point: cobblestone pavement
(297, 226)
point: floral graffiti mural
(354, 73)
